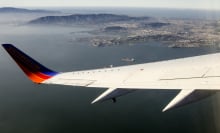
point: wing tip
(6, 44)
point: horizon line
(134, 7)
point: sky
(192, 4)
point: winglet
(34, 70)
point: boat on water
(128, 59)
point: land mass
(174, 33)
(114, 29)
(84, 19)
(22, 10)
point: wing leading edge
(203, 73)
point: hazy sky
(205, 4)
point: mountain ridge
(23, 10)
(84, 19)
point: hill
(84, 19)
(22, 10)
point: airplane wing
(197, 77)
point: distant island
(84, 19)
(22, 10)
(112, 29)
